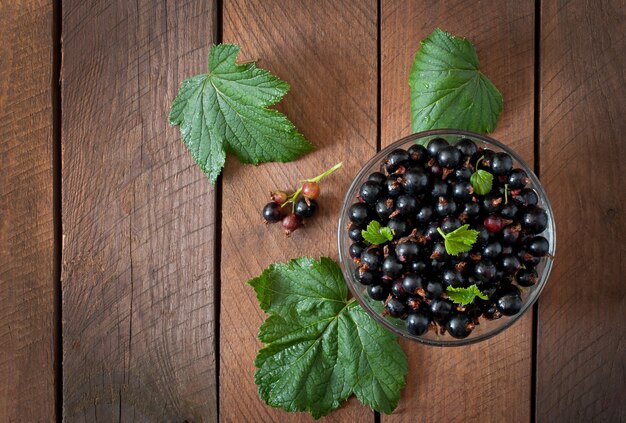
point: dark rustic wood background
(122, 269)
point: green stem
(506, 196)
(441, 232)
(478, 161)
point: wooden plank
(326, 50)
(138, 216)
(489, 381)
(581, 331)
(27, 344)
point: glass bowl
(486, 328)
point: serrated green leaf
(464, 296)
(321, 347)
(460, 240)
(481, 181)
(447, 88)
(375, 234)
(226, 110)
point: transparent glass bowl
(486, 328)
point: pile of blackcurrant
(292, 210)
(424, 193)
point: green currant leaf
(447, 88)
(319, 347)
(460, 240)
(481, 181)
(375, 234)
(464, 296)
(227, 110)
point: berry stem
(441, 232)
(478, 161)
(506, 194)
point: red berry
(291, 222)
(279, 197)
(311, 190)
(495, 223)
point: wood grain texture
(27, 344)
(138, 217)
(326, 51)
(581, 363)
(489, 381)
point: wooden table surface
(122, 269)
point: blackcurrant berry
(439, 251)
(534, 220)
(434, 289)
(485, 270)
(463, 174)
(407, 251)
(359, 214)
(393, 186)
(510, 234)
(441, 308)
(372, 257)
(384, 208)
(400, 228)
(412, 283)
(395, 159)
(538, 246)
(462, 190)
(509, 210)
(526, 197)
(377, 177)
(305, 208)
(418, 267)
(501, 164)
(406, 205)
(356, 249)
(418, 153)
(395, 307)
(377, 292)
(526, 277)
(459, 326)
(370, 192)
(452, 277)
(397, 290)
(435, 145)
(391, 267)
(366, 276)
(272, 212)
(509, 302)
(492, 250)
(491, 203)
(440, 188)
(449, 224)
(449, 157)
(355, 234)
(518, 179)
(483, 236)
(470, 210)
(510, 264)
(425, 214)
(467, 147)
(416, 181)
(445, 206)
(417, 323)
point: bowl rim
(344, 259)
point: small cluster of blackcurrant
(303, 203)
(425, 192)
